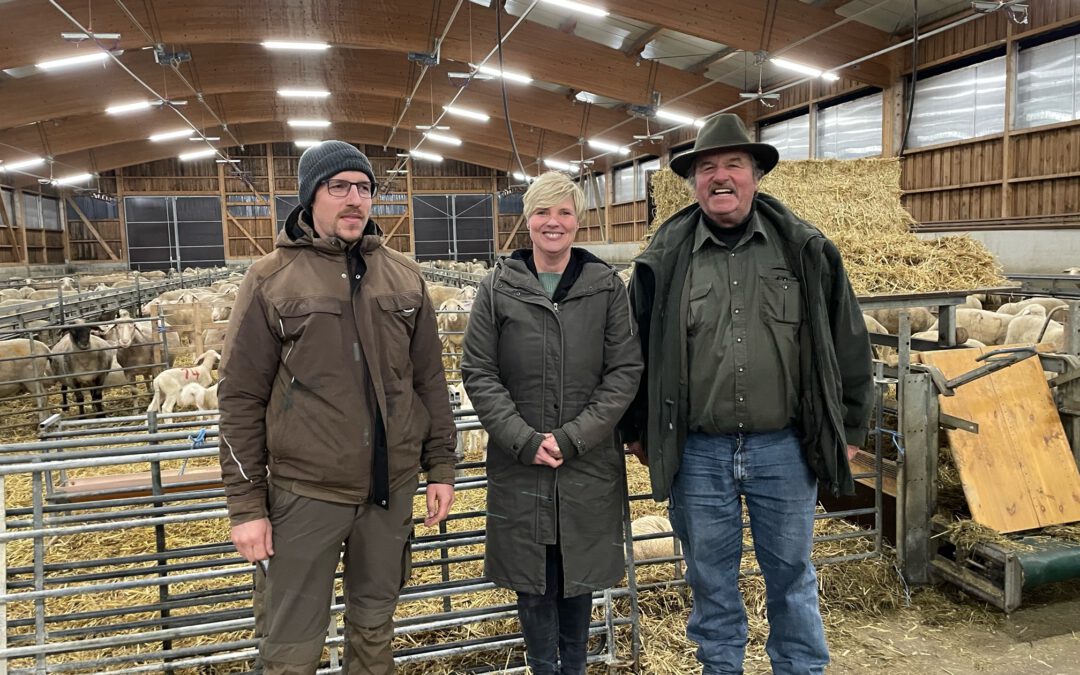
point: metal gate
(174, 232)
(454, 227)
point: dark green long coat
(568, 366)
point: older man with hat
(332, 400)
(757, 388)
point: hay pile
(856, 203)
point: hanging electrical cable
(914, 75)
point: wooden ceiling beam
(633, 50)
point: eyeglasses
(340, 188)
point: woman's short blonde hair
(550, 189)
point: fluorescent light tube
(578, 7)
(465, 112)
(301, 46)
(170, 135)
(127, 107)
(83, 59)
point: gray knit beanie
(325, 160)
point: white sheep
(194, 395)
(985, 326)
(169, 383)
(661, 547)
(1025, 329)
(919, 318)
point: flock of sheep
(85, 358)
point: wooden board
(120, 486)
(1018, 472)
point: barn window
(50, 214)
(1048, 83)
(850, 130)
(964, 103)
(790, 137)
(640, 180)
(624, 184)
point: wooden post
(64, 233)
(224, 211)
(20, 216)
(409, 206)
(197, 327)
(494, 216)
(272, 187)
(121, 213)
(1006, 137)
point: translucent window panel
(1047, 86)
(624, 184)
(31, 207)
(594, 191)
(850, 130)
(960, 104)
(9, 206)
(790, 137)
(640, 178)
(50, 213)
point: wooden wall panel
(981, 203)
(1047, 151)
(10, 245)
(85, 247)
(953, 166)
(627, 222)
(1036, 198)
(967, 38)
(237, 244)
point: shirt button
(734, 283)
(741, 369)
(785, 287)
(357, 276)
(344, 276)
(738, 339)
(736, 311)
(741, 425)
(732, 254)
(740, 399)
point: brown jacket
(306, 360)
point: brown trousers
(292, 599)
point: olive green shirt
(742, 326)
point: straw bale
(856, 203)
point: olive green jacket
(835, 362)
(568, 366)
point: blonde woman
(551, 362)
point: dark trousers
(555, 626)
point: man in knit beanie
(332, 399)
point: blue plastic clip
(198, 441)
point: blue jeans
(768, 471)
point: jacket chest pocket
(311, 331)
(781, 295)
(700, 297)
(396, 322)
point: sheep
(82, 361)
(919, 319)
(1047, 304)
(169, 383)
(135, 342)
(473, 441)
(1025, 329)
(985, 326)
(661, 547)
(873, 325)
(194, 395)
(24, 367)
(440, 294)
(961, 332)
